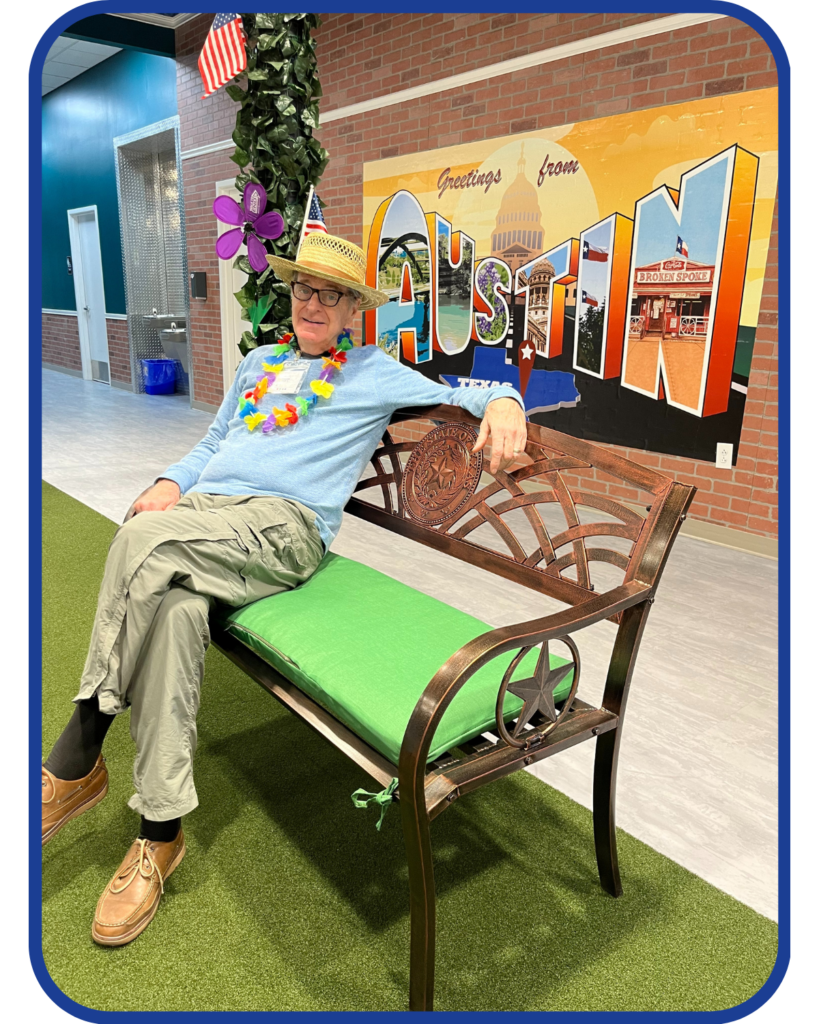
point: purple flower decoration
(254, 225)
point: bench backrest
(531, 525)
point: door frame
(79, 286)
(227, 187)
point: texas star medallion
(442, 474)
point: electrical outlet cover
(725, 455)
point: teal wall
(80, 121)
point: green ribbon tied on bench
(383, 799)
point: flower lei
(321, 388)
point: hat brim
(371, 298)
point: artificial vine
(278, 112)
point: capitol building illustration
(517, 239)
(518, 233)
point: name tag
(289, 381)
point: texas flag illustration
(596, 253)
(682, 247)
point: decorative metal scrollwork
(540, 513)
(537, 694)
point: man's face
(318, 326)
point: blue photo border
(35, 521)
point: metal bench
(434, 491)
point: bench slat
(475, 771)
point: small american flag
(313, 219)
(223, 55)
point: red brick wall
(364, 56)
(61, 344)
(378, 54)
(119, 352)
(61, 341)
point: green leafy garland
(278, 111)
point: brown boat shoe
(64, 799)
(130, 900)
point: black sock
(160, 831)
(76, 751)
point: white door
(230, 281)
(86, 262)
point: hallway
(698, 767)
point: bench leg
(621, 667)
(422, 903)
(605, 838)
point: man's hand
(162, 495)
(505, 422)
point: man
(250, 511)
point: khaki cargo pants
(164, 572)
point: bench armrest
(452, 675)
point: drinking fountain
(173, 334)
(162, 320)
(174, 341)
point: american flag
(682, 247)
(223, 55)
(313, 219)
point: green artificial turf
(289, 899)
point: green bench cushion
(365, 646)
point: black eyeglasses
(303, 292)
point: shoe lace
(139, 868)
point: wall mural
(611, 270)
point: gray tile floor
(698, 768)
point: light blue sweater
(319, 460)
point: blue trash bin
(159, 376)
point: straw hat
(333, 259)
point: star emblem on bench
(537, 692)
(441, 474)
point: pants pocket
(286, 549)
(272, 559)
(283, 549)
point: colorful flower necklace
(321, 388)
